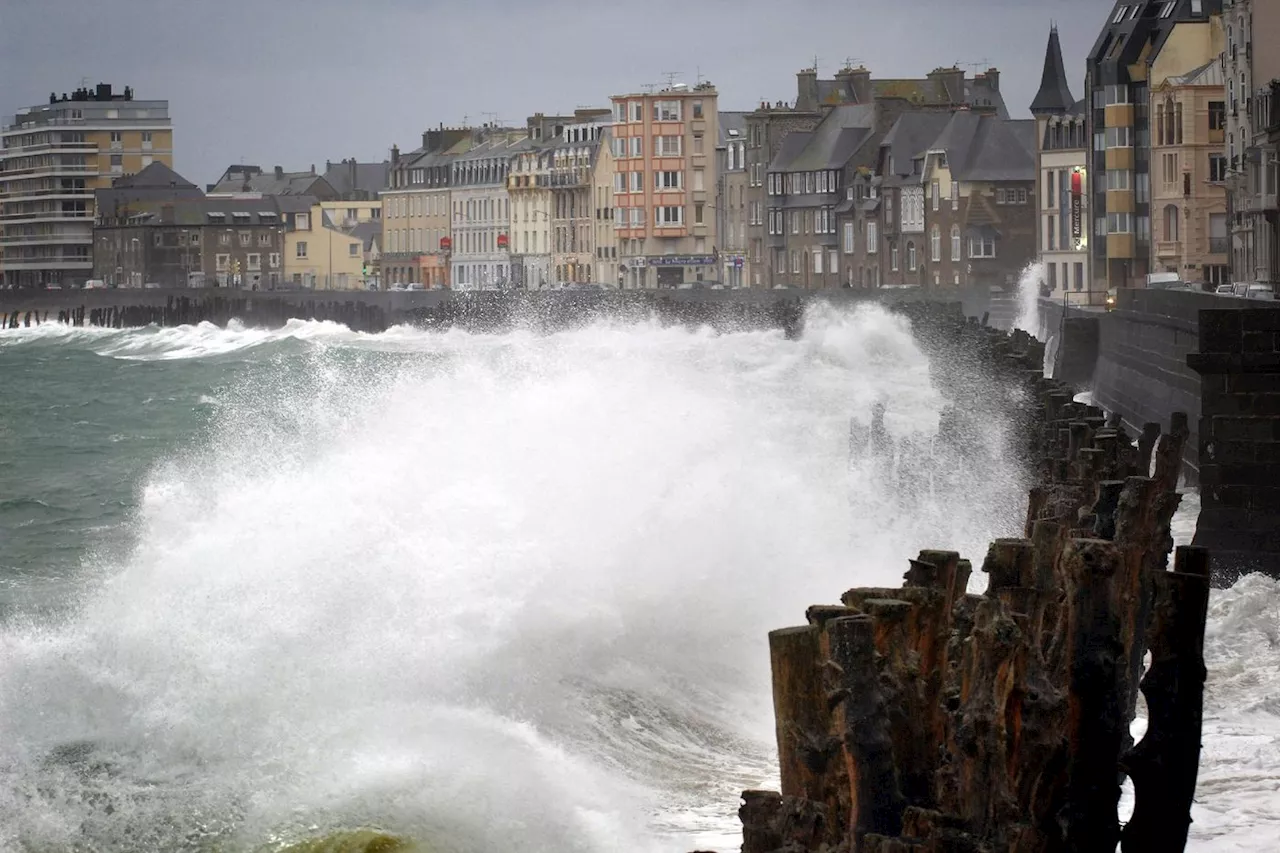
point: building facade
(1062, 169)
(481, 215)
(1251, 65)
(1188, 198)
(529, 188)
(323, 248)
(156, 227)
(1140, 45)
(731, 199)
(53, 158)
(665, 181)
(575, 179)
(417, 240)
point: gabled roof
(366, 232)
(1209, 74)
(1054, 97)
(155, 176)
(835, 139)
(988, 148)
(252, 179)
(911, 136)
(350, 178)
(793, 145)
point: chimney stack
(807, 90)
(279, 173)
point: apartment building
(1188, 198)
(158, 227)
(731, 199)
(576, 177)
(53, 158)
(942, 90)
(529, 189)
(1141, 45)
(416, 243)
(480, 209)
(665, 179)
(324, 244)
(1251, 66)
(1062, 167)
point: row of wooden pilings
(926, 718)
(216, 309)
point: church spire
(1054, 97)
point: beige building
(529, 187)
(731, 201)
(580, 166)
(53, 156)
(324, 249)
(416, 239)
(1251, 64)
(1188, 201)
(664, 148)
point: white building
(481, 211)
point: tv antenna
(850, 60)
(816, 59)
(493, 118)
(975, 67)
(671, 77)
(649, 87)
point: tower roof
(1055, 95)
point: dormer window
(1120, 13)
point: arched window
(935, 244)
(955, 242)
(911, 255)
(1171, 222)
(1160, 124)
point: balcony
(19, 195)
(49, 169)
(58, 262)
(48, 216)
(1219, 245)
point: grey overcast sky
(296, 82)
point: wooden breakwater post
(925, 718)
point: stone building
(1251, 66)
(664, 151)
(416, 241)
(157, 227)
(577, 179)
(731, 204)
(944, 89)
(54, 157)
(1188, 166)
(529, 188)
(1141, 44)
(1062, 167)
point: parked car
(95, 284)
(1260, 290)
(151, 285)
(1224, 290)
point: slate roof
(987, 148)
(1209, 74)
(296, 203)
(155, 176)
(1054, 96)
(366, 232)
(924, 90)
(732, 121)
(911, 136)
(369, 178)
(793, 145)
(835, 139)
(245, 179)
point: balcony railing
(1219, 245)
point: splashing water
(492, 592)
(1029, 299)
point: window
(848, 238)
(157, 239)
(1171, 222)
(668, 215)
(1177, 123)
(619, 147)
(999, 195)
(254, 261)
(1119, 223)
(817, 262)
(698, 180)
(1217, 167)
(117, 163)
(302, 221)
(637, 182)
(911, 255)
(893, 256)
(982, 247)
(955, 242)
(955, 194)
(666, 111)
(697, 109)
(1119, 137)
(619, 182)
(795, 261)
(833, 262)
(935, 244)
(666, 146)
(1120, 13)
(245, 238)
(1119, 179)
(273, 260)
(221, 262)
(224, 239)
(146, 139)
(1118, 94)
(697, 143)
(1218, 116)
(888, 207)
(302, 249)
(116, 139)
(873, 245)
(264, 238)
(697, 213)
(637, 111)
(637, 146)
(354, 250)
(1051, 243)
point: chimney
(858, 82)
(949, 85)
(993, 79)
(313, 168)
(395, 155)
(352, 168)
(279, 173)
(807, 90)
(426, 140)
(327, 166)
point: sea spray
(1029, 283)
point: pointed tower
(1054, 97)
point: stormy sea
(469, 592)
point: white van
(95, 284)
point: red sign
(445, 244)
(1075, 182)
(502, 241)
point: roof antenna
(671, 77)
